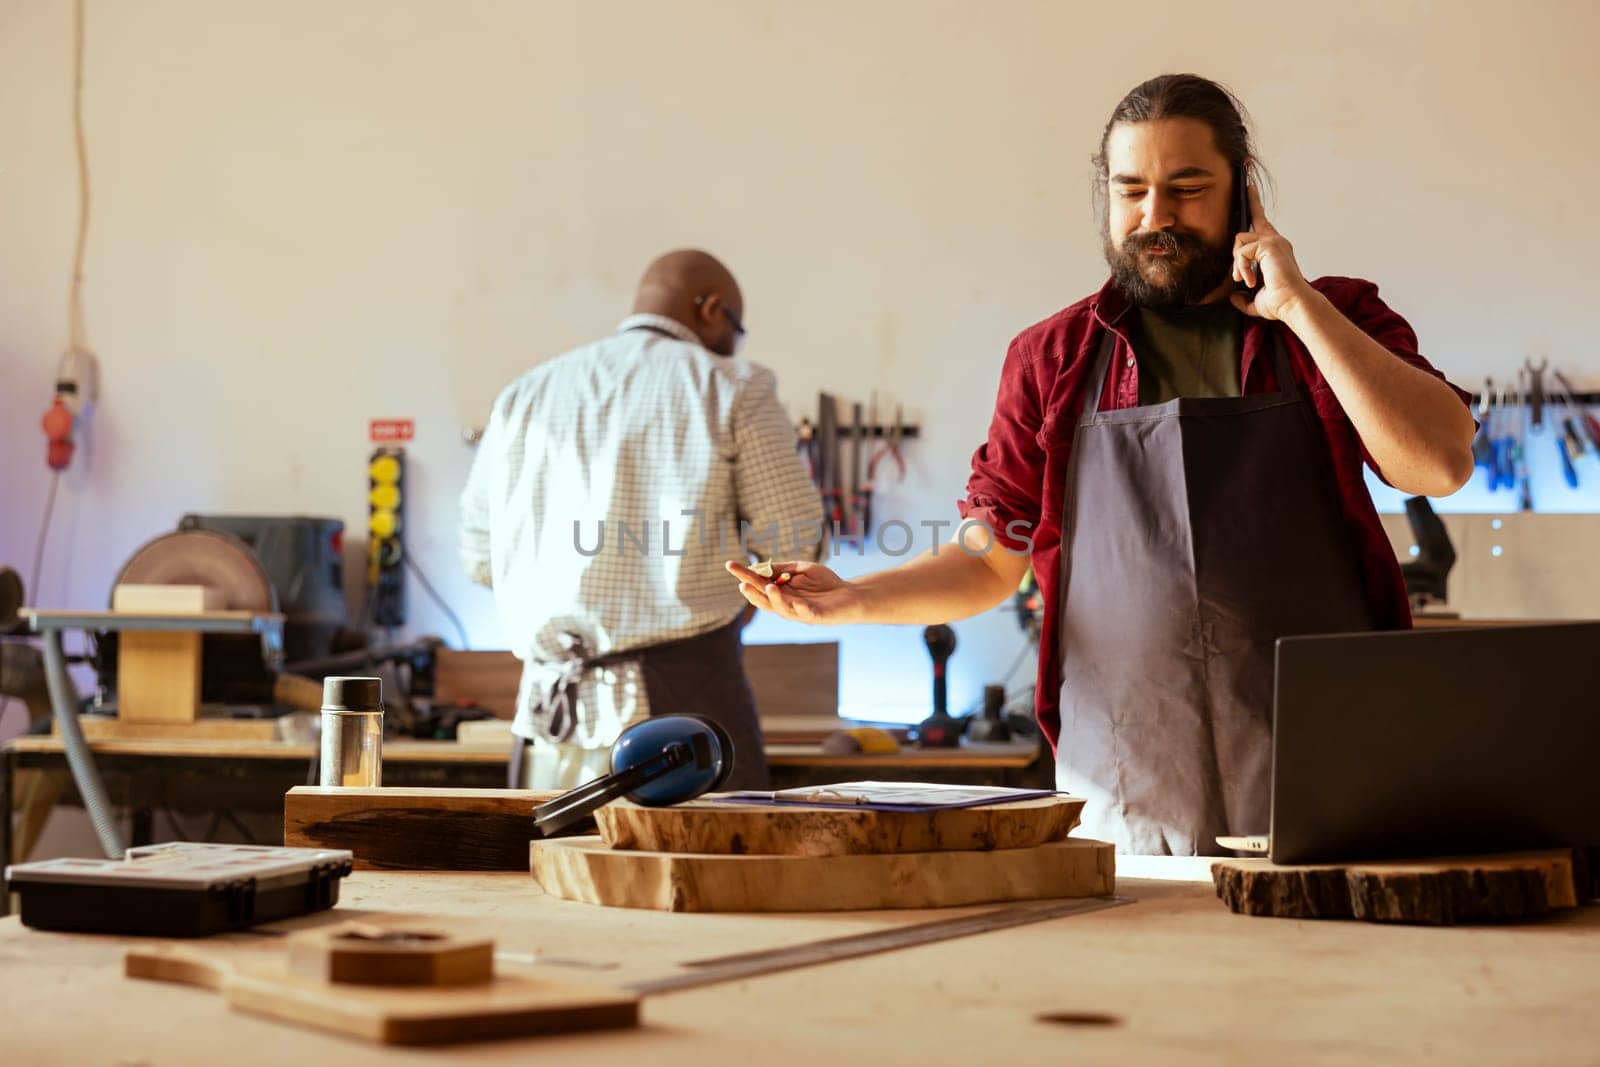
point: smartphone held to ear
(1242, 218)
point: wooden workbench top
(454, 752)
(217, 748)
(1174, 976)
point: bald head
(694, 288)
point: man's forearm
(1414, 426)
(941, 585)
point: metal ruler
(767, 961)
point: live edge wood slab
(1437, 892)
(584, 869)
(718, 827)
(417, 829)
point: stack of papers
(890, 796)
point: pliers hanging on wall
(805, 443)
(891, 448)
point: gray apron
(701, 675)
(1196, 533)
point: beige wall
(309, 213)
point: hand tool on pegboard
(1570, 444)
(1533, 395)
(893, 437)
(853, 520)
(1519, 444)
(828, 449)
(1591, 425)
(1505, 473)
(873, 432)
(1483, 443)
(805, 443)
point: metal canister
(352, 732)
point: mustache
(1166, 240)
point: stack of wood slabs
(715, 855)
(1436, 892)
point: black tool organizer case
(181, 889)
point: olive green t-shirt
(1189, 352)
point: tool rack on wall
(849, 460)
(1511, 415)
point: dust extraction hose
(84, 773)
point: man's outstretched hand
(812, 593)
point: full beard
(1189, 272)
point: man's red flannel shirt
(1019, 474)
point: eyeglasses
(733, 320)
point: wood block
(505, 1006)
(1431, 892)
(356, 953)
(728, 828)
(787, 680)
(489, 679)
(99, 728)
(791, 680)
(158, 675)
(134, 598)
(486, 733)
(301, 694)
(417, 829)
(584, 869)
(814, 729)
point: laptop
(1434, 742)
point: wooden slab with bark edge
(417, 829)
(584, 869)
(715, 827)
(1440, 892)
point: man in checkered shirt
(609, 486)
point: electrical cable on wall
(427, 586)
(1005, 679)
(77, 376)
(78, 340)
(44, 529)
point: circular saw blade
(203, 557)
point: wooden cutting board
(506, 1006)
(728, 828)
(584, 869)
(1431, 892)
(414, 828)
